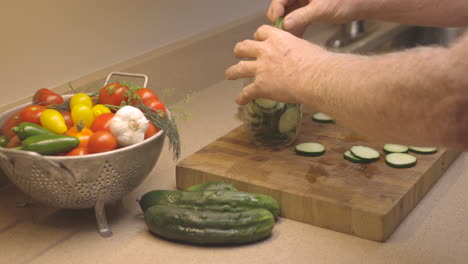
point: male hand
(300, 13)
(283, 66)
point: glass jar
(270, 123)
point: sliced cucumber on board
(350, 157)
(365, 153)
(400, 160)
(395, 148)
(288, 120)
(322, 118)
(423, 151)
(310, 149)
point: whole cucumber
(50, 144)
(219, 201)
(211, 185)
(208, 227)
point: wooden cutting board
(365, 200)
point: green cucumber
(395, 148)
(310, 149)
(289, 120)
(264, 103)
(210, 186)
(322, 118)
(208, 227)
(423, 150)
(350, 157)
(215, 200)
(400, 160)
(365, 153)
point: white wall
(49, 42)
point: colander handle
(127, 74)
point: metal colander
(81, 181)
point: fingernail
(289, 24)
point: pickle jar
(270, 123)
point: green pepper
(50, 144)
(3, 141)
(27, 129)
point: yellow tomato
(83, 113)
(81, 98)
(54, 121)
(100, 109)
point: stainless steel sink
(380, 37)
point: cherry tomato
(68, 119)
(145, 94)
(78, 151)
(101, 123)
(155, 104)
(151, 130)
(32, 113)
(101, 141)
(81, 98)
(46, 97)
(11, 122)
(113, 94)
(14, 142)
(81, 132)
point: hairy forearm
(418, 12)
(417, 97)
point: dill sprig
(163, 122)
(167, 124)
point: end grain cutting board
(365, 200)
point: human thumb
(300, 18)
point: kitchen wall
(50, 42)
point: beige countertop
(435, 232)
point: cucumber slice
(310, 149)
(424, 151)
(265, 103)
(322, 118)
(350, 157)
(395, 148)
(288, 120)
(400, 160)
(250, 108)
(365, 153)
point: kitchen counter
(435, 232)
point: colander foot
(101, 218)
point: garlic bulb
(128, 126)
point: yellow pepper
(84, 113)
(100, 109)
(81, 98)
(53, 120)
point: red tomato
(151, 130)
(113, 94)
(11, 122)
(14, 142)
(155, 104)
(145, 94)
(102, 141)
(79, 151)
(82, 133)
(32, 113)
(101, 123)
(46, 97)
(67, 116)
